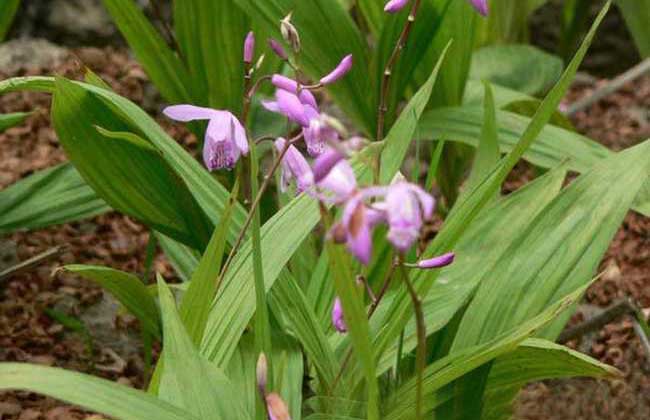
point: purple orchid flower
(406, 205)
(339, 184)
(294, 166)
(437, 262)
(318, 133)
(225, 138)
(394, 6)
(341, 70)
(278, 49)
(337, 317)
(481, 6)
(249, 47)
(290, 85)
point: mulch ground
(28, 334)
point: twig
(611, 87)
(617, 310)
(31, 262)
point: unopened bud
(278, 49)
(290, 33)
(249, 47)
(262, 373)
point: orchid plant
(320, 289)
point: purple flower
(394, 6)
(318, 133)
(292, 107)
(357, 223)
(249, 47)
(481, 6)
(276, 407)
(406, 205)
(341, 70)
(294, 166)
(437, 262)
(337, 317)
(339, 184)
(225, 138)
(325, 163)
(278, 49)
(261, 372)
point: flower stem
(254, 205)
(386, 77)
(421, 351)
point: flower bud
(481, 6)
(262, 373)
(341, 70)
(394, 6)
(337, 317)
(249, 48)
(276, 407)
(290, 33)
(278, 49)
(437, 262)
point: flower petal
(291, 107)
(395, 6)
(189, 112)
(437, 262)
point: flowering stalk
(255, 204)
(421, 351)
(385, 82)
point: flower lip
(341, 70)
(394, 6)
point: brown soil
(28, 334)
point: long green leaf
(128, 290)
(559, 251)
(534, 360)
(124, 169)
(8, 9)
(95, 394)
(161, 64)
(211, 37)
(189, 380)
(49, 197)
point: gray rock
(21, 54)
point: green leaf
(8, 10)
(211, 37)
(373, 13)
(323, 48)
(399, 138)
(465, 211)
(439, 375)
(197, 299)
(288, 302)
(558, 252)
(523, 68)
(188, 380)
(635, 13)
(124, 169)
(49, 197)
(101, 395)
(128, 290)
(534, 360)
(487, 154)
(161, 64)
(10, 120)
